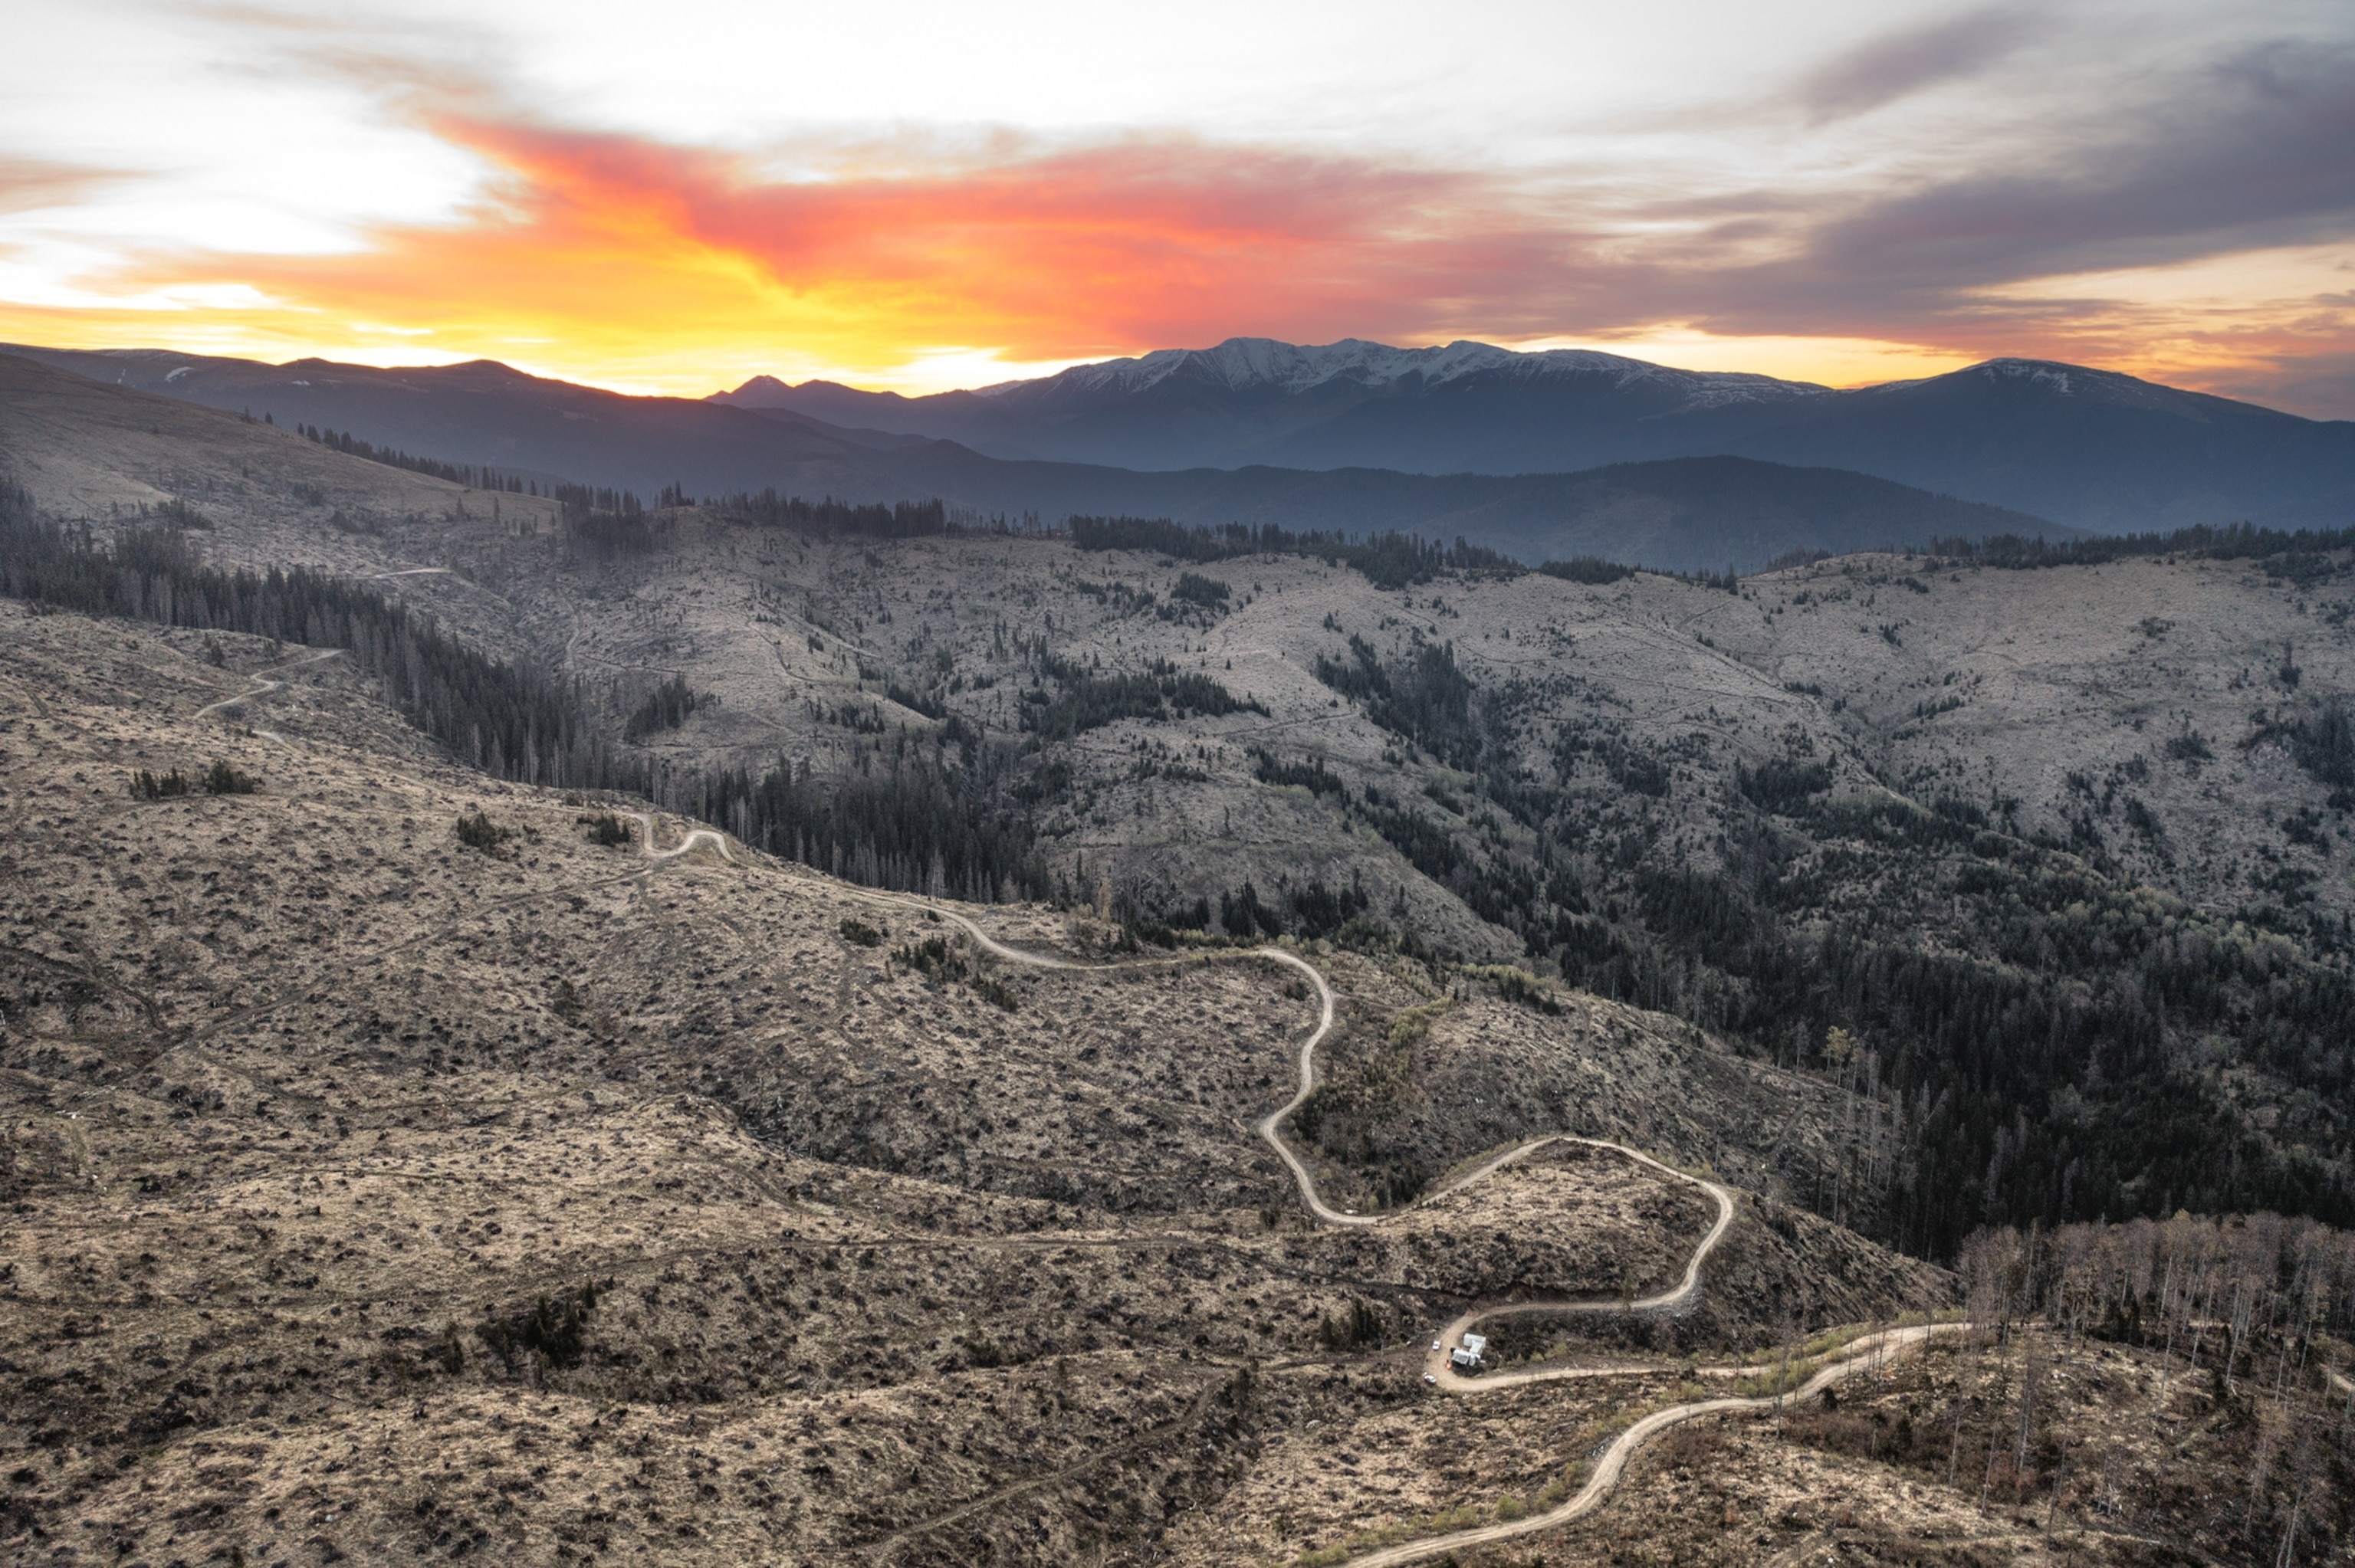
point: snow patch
(1252, 363)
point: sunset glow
(1854, 214)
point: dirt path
(1442, 1371)
(265, 686)
(1271, 1126)
(694, 836)
(1613, 1459)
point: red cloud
(1049, 255)
(621, 259)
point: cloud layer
(1951, 189)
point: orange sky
(615, 260)
(907, 257)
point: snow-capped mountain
(1357, 435)
(1251, 365)
(2090, 447)
(1452, 407)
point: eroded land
(402, 1160)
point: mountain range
(2092, 449)
(1542, 455)
(876, 1051)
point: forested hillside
(1989, 902)
(2100, 976)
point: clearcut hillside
(2053, 849)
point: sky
(926, 195)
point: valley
(706, 1031)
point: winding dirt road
(1686, 1292)
(1270, 1128)
(694, 836)
(1612, 1460)
(264, 685)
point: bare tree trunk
(2032, 1373)
(2166, 1304)
(1995, 1436)
(2238, 1324)
(1962, 1376)
(2261, 1463)
(2302, 1467)
(1781, 1376)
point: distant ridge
(2094, 449)
(1244, 364)
(1689, 514)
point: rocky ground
(398, 1161)
(2042, 1449)
(373, 1190)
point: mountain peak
(1269, 365)
(2011, 376)
(2055, 375)
(757, 387)
(769, 392)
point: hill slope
(358, 1169)
(2090, 448)
(1840, 799)
(398, 1161)
(1676, 515)
(1465, 407)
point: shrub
(606, 829)
(223, 779)
(1781, 784)
(665, 707)
(1592, 570)
(1196, 589)
(478, 832)
(1360, 1325)
(552, 1332)
(1519, 986)
(859, 933)
(985, 1352)
(148, 787)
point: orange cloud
(1075, 252)
(627, 261)
(623, 259)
